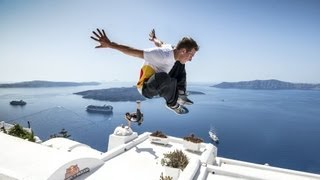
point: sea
(278, 127)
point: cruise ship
(100, 109)
(129, 156)
(18, 103)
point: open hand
(152, 35)
(101, 38)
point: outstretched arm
(105, 42)
(152, 37)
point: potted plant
(174, 162)
(192, 142)
(159, 138)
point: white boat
(100, 109)
(213, 136)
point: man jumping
(156, 77)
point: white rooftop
(129, 156)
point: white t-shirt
(156, 60)
(160, 59)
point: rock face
(267, 85)
(113, 94)
(34, 84)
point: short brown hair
(188, 43)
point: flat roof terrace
(141, 159)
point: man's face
(187, 55)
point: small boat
(100, 109)
(18, 103)
(213, 136)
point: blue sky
(239, 39)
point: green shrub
(18, 131)
(158, 134)
(193, 138)
(165, 177)
(63, 133)
(175, 159)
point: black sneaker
(184, 100)
(178, 109)
(140, 120)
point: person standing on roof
(155, 76)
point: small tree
(18, 131)
(63, 133)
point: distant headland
(195, 93)
(271, 84)
(37, 83)
(119, 94)
(113, 94)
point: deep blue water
(278, 127)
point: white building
(129, 156)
